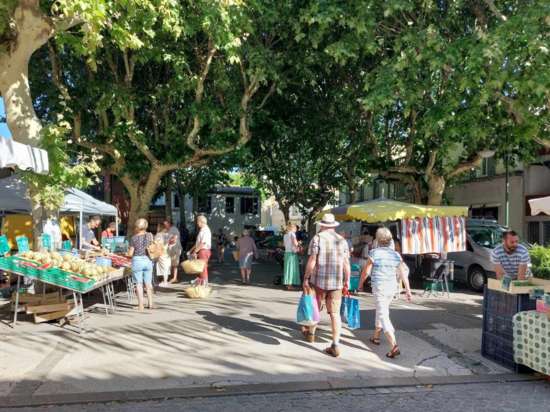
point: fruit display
(68, 263)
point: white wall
(232, 223)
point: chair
(439, 282)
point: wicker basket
(236, 255)
(198, 292)
(193, 267)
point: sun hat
(329, 220)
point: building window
(230, 205)
(488, 167)
(485, 213)
(204, 204)
(533, 232)
(249, 205)
(546, 233)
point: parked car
(474, 265)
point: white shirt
(204, 237)
(289, 240)
(52, 228)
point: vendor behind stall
(511, 258)
(109, 232)
(89, 241)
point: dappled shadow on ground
(240, 334)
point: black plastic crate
(497, 341)
(506, 304)
(498, 325)
(501, 350)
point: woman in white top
(164, 262)
(203, 246)
(291, 276)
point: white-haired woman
(142, 266)
(247, 252)
(291, 276)
(382, 264)
(203, 246)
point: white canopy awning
(540, 205)
(13, 198)
(18, 155)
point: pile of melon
(69, 263)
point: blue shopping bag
(353, 313)
(344, 309)
(308, 311)
(350, 311)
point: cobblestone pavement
(497, 397)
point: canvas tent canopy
(540, 205)
(13, 198)
(18, 155)
(385, 210)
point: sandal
(375, 341)
(308, 336)
(394, 353)
(333, 351)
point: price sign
(46, 239)
(4, 246)
(22, 243)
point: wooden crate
(495, 284)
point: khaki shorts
(331, 298)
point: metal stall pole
(16, 301)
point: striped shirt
(385, 262)
(510, 261)
(332, 253)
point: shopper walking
(247, 252)
(174, 248)
(291, 275)
(164, 261)
(203, 246)
(383, 264)
(328, 271)
(221, 243)
(142, 266)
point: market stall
(57, 265)
(520, 338)
(422, 230)
(14, 199)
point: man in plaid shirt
(328, 271)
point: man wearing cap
(328, 271)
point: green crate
(437, 287)
(66, 280)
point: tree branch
(491, 5)
(466, 166)
(199, 92)
(268, 95)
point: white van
(474, 265)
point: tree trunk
(353, 192)
(285, 209)
(181, 197)
(33, 31)
(168, 197)
(141, 196)
(436, 188)
(311, 226)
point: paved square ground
(239, 335)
